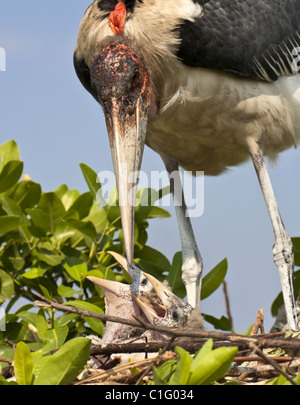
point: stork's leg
(191, 258)
(283, 247)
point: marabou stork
(206, 84)
(147, 298)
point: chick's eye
(144, 282)
(175, 316)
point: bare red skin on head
(117, 19)
(119, 76)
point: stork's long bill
(123, 88)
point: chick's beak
(152, 308)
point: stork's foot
(283, 249)
(191, 276)
(283, 253)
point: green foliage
(49, 242)
(41, 368)
(206, 367)
(282, 380)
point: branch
(273, 364)
(227, 303)
(239, 340)
(259, 323)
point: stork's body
(210, 83)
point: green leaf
(76, 268)
(151, 259)
(9, 223)
(27, 193)
(6, 285)
(85, 305)
(182, 372)
(174, 276)
(10, 206)
(48, 254)
(66, 319)
(98, 218)
(213, 279)
(297, 378)
(6, 352)
(66, 291)
(82, 204)
(158, 212)
(68, 198)
(51, 205)
(61, 190)
(92, 180)
(146, 198)
(35, 272)
(41, 323)
(95, 324)
(163, 373)
(296, 243)
(280, 380)
(12, 259)
(144, 205)
(205, 350)
(85, 227)
(10, 174)
(39, 220)
(8, 151)
(54, 338)
(212, 366)
(63, 366)
(23, 364)
(223, 323)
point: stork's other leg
(191, 258)
(283, 250)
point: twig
(6, 361)
(272, 363)
(123, 371)
(259, 323)
(239, 340)
(279, 359)
(147, 370)
(227, 303)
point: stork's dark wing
(83, 73)
(252, 38)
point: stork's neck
(153, 27)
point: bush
(49, 242)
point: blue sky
(57, 125)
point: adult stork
(206, 84)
